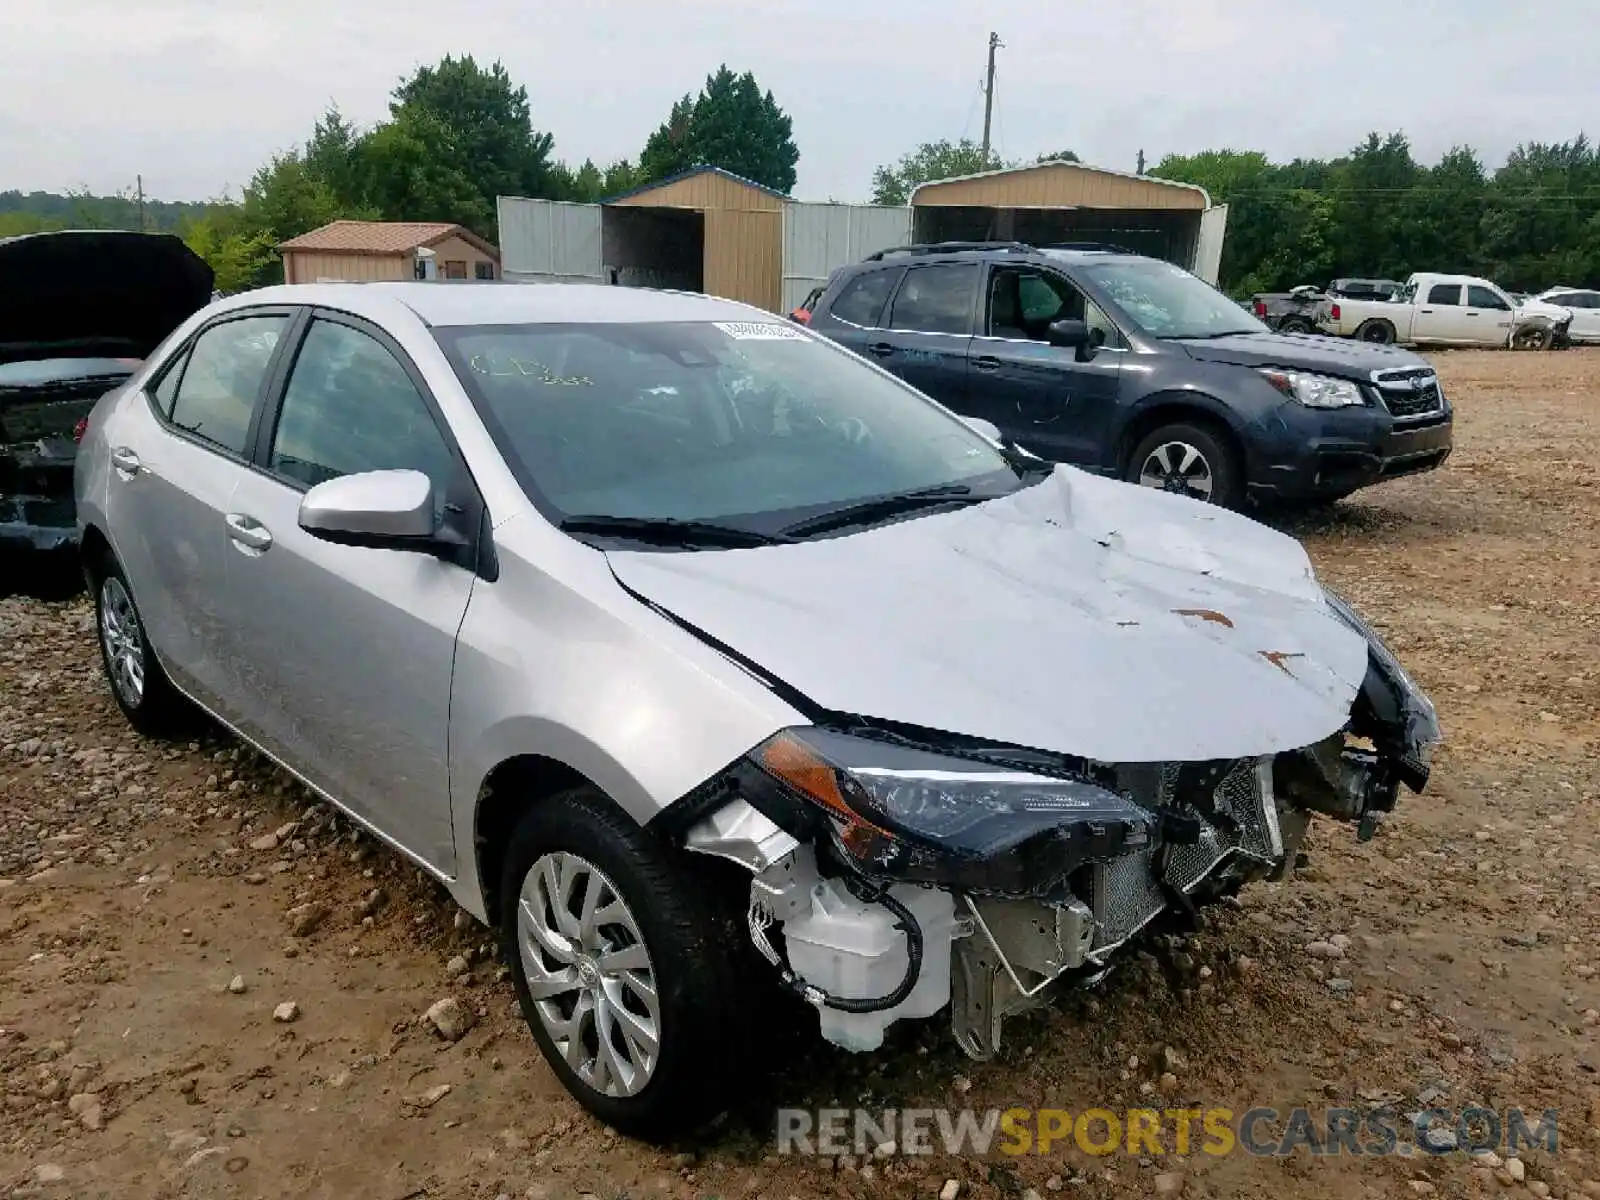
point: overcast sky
(195, 94)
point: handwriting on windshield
(522, 368)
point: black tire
(1533, 337)
(155, 708)
(1296, 325)
(1221, 463)
(1378, 332)
(693, 941)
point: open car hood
(1081, 616)
(97, 293)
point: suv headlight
(1315, 391)
(925, 817)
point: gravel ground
(212, 987)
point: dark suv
(1132, 367)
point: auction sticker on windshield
(765, 331)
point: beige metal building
(359, 251)
(1056, 202)
(735, 225)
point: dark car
(79, 312)
(1131, 367)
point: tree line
(459, 134)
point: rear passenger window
(167, 389)
(936, 299)
(227, 366)
(1444, 293)
(862, 299)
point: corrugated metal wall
(819, 238)
(1059, 185)
(744, 255)
(549, 240)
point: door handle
(881, 349)
(987, 362)
(248, 532)
(1427, 312)
(125, 461)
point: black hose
(905, 922)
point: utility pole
(988, 96)
(139, 183)
(1141, 163)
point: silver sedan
(710, 662)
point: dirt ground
(144, 942)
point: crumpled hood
(1081, 616)
(1343, 357)
(96, 293)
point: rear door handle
(987, 362)
(125, 461)
(881, 349)
(248, 532)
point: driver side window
(351, 407)
(1022, 304)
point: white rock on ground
(286, 1012)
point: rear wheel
(1295, 325)
(626, 966)
(138, 684)
(1378, 332)
(1188, 460)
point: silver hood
(1080, 615)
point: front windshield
(1168, 302)
(746, 423)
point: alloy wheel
(1180, 468)
(589, 973)
(124, 647)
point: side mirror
(385, 510)
(987, 428)
(1072, 334)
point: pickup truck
(1447, 310)
(1295, 311)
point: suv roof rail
(950, 248)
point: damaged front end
(896, 872)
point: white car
(1583, 304)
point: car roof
(998, 252)
(499, 303)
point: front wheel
(1188, 460)
(1532, 337)
(626, 968)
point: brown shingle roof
(382, 237)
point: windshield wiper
(670, 531)
(884, 506)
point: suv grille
(1409, 392)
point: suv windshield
(748, 424)
(1168, 302)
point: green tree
(732, 124)
(460, 135)
(1068, 156)
(893, 183)
(239, 257)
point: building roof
(689, 174)
(1139, 183)
(383, 237)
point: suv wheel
(624, 967)
(1188, 460)
(138, 684)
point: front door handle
(125, 461)
(987, 362)
(881, 349)
(248, 533)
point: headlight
(926, 817)
(1315, 391)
